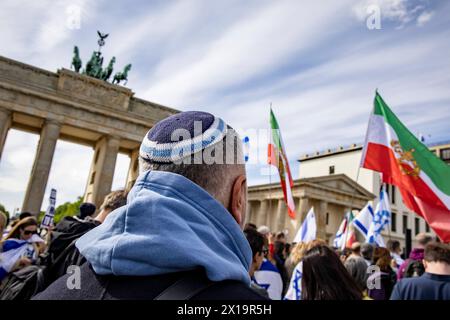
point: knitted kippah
(193, 131)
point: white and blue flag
(13, 250)
(381, 218)
(341, 233)
(295, 287)
(363, 220)
(269, 278)
(308, 230)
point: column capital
(6, 112)
(52, 122)
(111, 140)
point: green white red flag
(277, 157)
(422, 178)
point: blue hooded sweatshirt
(169, 224)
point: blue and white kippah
(182, 135)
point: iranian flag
(422, 178)
(277, 157)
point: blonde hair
(3, 221)
(300, 249)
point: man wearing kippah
(180, 234)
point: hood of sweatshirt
(169, 224)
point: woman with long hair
(325, 277)
(294, 291)
(384, 277)
(20, 247)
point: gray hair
(214, 169)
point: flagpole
(351, 209)
(270, 167)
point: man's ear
(238, 198)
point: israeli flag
(13, 250)
(381, 218)
(364, 219)
(295, 287)
(339, 239)
(308, 230)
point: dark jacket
(68, 230)
(110, 287)
(387, 282)
(426, 287)
(62, 251)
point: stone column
(302, 211)
(321, 220)
(262, 213)
(102, 170)
(133, 169)
(41, 167)
(281, 215)
(5, 124)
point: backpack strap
(186, 288)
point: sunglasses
(28, 232)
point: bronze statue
(94, 67)
(119, 76)
(101, 41)
(90, 65)
(109, 69)
(76, 61)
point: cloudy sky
(317, 62)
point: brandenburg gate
(77, 108)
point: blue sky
(315, 61)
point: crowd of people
(179, 233)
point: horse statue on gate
(109, 69)
(76, 61)
(119, 76)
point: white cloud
(424, 18)
(400, 11)
(267, 38)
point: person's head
(356, 248)
(265, 231)
(203, 149)
(112, 201)
(367, 251)
(437, 258)
(86, 210)
(280, 236)
(24, 215)
(256, 241)
(382, 258)
(24, 229)
(250, 225)
(422, 239)
(299, 250)
(394, 246)
(357, 268)
(325, 277)
(3, 223)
